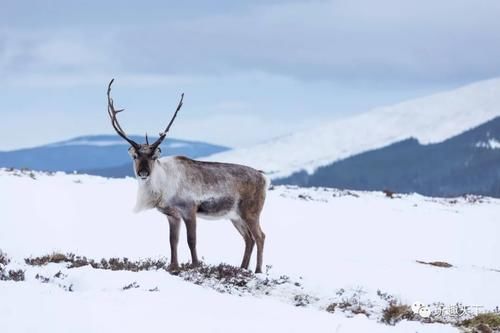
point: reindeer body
(182, 188)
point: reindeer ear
(132, 152)
(157, 153)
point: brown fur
(214, 190)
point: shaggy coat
(182, 188)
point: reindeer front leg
(175, 226)
(174, 223)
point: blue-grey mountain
(466, 163)
(104, 155)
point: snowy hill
(327, 255)
(98, 154)
(429, 119)
(466, 163)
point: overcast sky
(250, 70)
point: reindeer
(182, 188)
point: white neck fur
(150, 192)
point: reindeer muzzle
(143, 174)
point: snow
(328, 240)
(177, 145)
(181, 308)
(490, 144)
(429, 119)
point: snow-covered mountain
(466, 163)
(429, 119)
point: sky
(251, 71)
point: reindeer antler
(114, 121)
(164, 133)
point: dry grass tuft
(224, 273)
(4, 260)
(302, 300)
(396, 312)
(484, 321)
(352, 305)
(389, 193)
(229, 279)
(442, 264)
(11, 275)
(133, 285)
(114, 264)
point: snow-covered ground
(429, 119)
(334, 246)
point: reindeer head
(144, 155)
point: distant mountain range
(446, 144)
(104, 155)
(466, 163)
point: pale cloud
(67, 54)
(389, 40)
(90, 79)
(277, 66)
(348, 40)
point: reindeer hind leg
(242, 228)
(190, 222)
(259, 237)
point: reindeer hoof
(195, 264)
(173, 268)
